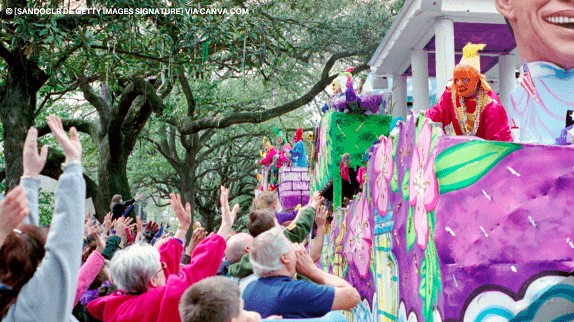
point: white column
(420, 67)
(506, 78)
(444, 43)
(399, 96)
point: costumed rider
(285, 148)
(269, 167)
(298, 154)
(469, 106)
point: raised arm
(59, 269)
(301, 226)
(346, 296)
(33, 163)
(183, 215)
(228, 215)
(208, 254)
(317, 243)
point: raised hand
(151, 229)
(304, 262)
(121, 224)
(71, 145)
(100, 245)
(94, 231)
(183, 214)
(13, 209)
(316, 200)
(321, 216)
(87, 226)
(33, 162)
(107, 222)
(227, 215)
(198, 235)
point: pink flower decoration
(384, 167)
(361, 173)
(358, 250)
(423, 187)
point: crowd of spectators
(124, 269)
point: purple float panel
(290, 199)
(287, 174)
(293, 188)
(512, 227)
(286, 185)
(484, 229)
(302, 186)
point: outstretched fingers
(223, 199)
(227, 215)
(71, 145)
(32, 162)
(182, 213)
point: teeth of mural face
(560, 20)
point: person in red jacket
(150, 283)
(469, 106)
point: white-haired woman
(148, 280)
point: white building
(426, 40)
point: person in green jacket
(264, 219)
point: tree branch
(187, 92)
(149, 92)
(205, 154)
(135, 54)
(96, 100)
(82, 125)
(188, 126)
(174, 161)
(206, 135)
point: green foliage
(45, 207)
(234, 63)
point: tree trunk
(113, 179)
(17, 106)
(187, 190)
(187, 178)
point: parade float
(285, 171)
(446, 228)
(455, 228)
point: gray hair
(133, 268)
(266, 251)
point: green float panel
(341, 133)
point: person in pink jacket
(469, 106)
(150, 288)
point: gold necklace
(462, 116)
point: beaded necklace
(461, 114)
